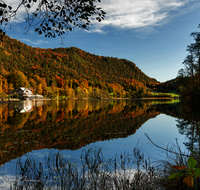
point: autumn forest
(69, 72)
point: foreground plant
(187, 162)
(191, 172)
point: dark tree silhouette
(195, 49)
(191, 73)
(190, 69)
(53, 17)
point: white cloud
(38, 42)
(20, 15)
(14, 4)
(128, 14)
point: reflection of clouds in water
(5, 182)
(120, 173)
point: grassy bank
(160, 94)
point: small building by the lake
(22, 91)
(27, 93)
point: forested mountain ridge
(68, 71)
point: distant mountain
(169, 86)
(71, 67)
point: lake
(35, 128)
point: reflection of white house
(27, 93)
(25, 106)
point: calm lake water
(37, 128)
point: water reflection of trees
(92, 171)
(69, 124)
(189, 125)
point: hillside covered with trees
(68, 72)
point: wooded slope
(23, 65)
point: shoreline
(153, 98)
(4, 102)
(147, 98)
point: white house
(22, 91)
(27, 93)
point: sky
(153, 34)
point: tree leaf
(180, 167)
(28, 6)
(196, 172)
(192, 162)
(3, 5)
(189, 181)
(175, 175)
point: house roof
(23, 88)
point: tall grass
(128, 171)
(91, 172)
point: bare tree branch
(53, 17)
(166, 148)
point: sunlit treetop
(52, 17)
